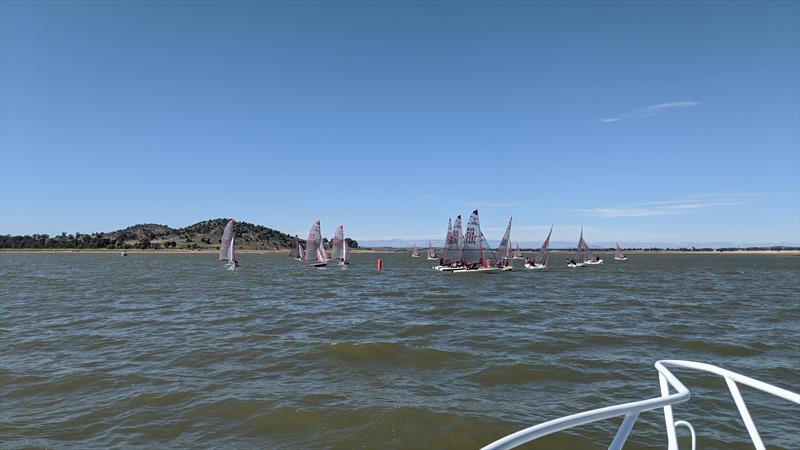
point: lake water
(171, 350)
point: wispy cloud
(479, 205)
(670, 207)
(650, 111)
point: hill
(201, 235)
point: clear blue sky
(673, 121)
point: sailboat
(296, 251)
(339, 250)
(314, 251)
(476, 256)
(588, 259)
(414, 252)
(451, 259)
(540, 260)
(618, 254)
(431, 253)
(517, 253)
(226, 246)
(504, 249)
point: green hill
(201, 235)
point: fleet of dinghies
(469, 252)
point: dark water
(170, 350)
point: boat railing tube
(632, 410)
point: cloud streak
(650, 111)
(668, 207)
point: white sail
(322, 257)
(452, 252)
(226, 242)
(431, 253)
(504, 249)
(345, 252)
(584, 252)
(337, 243)
(232, 253)
(517, 253)
(618, 253)
(294, 252)
(544, 251)
(414, 251)
(300, 251)
(313, 243)
(472, 250)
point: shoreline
(390, 250)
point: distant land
(600, 245)
(203, 235)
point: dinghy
(296, 251)
(226, 246)
(580, 256)
(339, 250)
(588, 259)
(540, 260)
(431, 253)
(517, 253)
(124, 253)
(414, 252)
(314, 251)
(618, 254)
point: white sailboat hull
(620, 258)
(535, 266)
(594, 263)
(481, 270)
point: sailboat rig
(340, 252)
(517, 253)
(227, 250)
(540, 260)
(431, 253)
(618, 254)
(315, 252)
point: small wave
(521, 373)
(394, 354)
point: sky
(642, 121)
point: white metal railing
(632, 410)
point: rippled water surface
(171, 350)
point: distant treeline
(202, 235)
